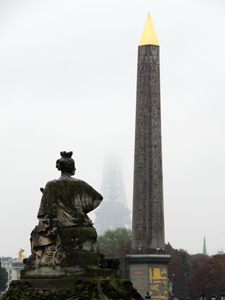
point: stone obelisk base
(149, 273)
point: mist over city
(68, 83)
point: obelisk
(148, 260)
(148, 218)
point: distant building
(220, 251)
(13, 267)
(113, 212)
(204, 248)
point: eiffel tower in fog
(113, 211)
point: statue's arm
(96, 200)
(96, 197)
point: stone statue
(64, 205)
(66, 262)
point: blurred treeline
(189, 275)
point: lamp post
(213, 296)
(222, 295)
(203, 296)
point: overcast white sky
(68, 82)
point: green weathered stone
(73, 289)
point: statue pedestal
(72, 288)
(149, 273)
(76, 254)
(75, 269)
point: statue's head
(66, 163)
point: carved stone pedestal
(149, 273)
(73, 269)
(75, 253)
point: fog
(68, 83)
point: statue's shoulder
(88, 189)
(82, 182)
(51, 182)
(67, 179)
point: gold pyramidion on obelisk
(148, 36)
(148, 260)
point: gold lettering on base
(158, 282)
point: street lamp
(213, 296)
(203, 296)
(222, 295)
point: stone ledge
(48, 273)
(148, 258)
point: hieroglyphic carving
(158, 280)
(148, 219)
(139, 275)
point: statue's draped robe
(64, 203)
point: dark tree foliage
(179, 271)
(3, 278)
(183, 271)
(197, 260)
(210, 277)
(116, 243)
